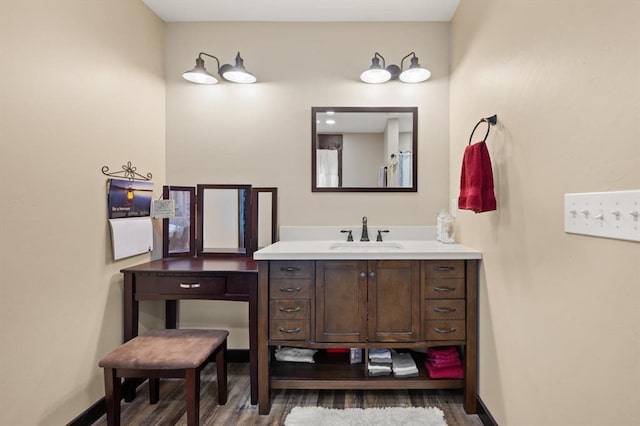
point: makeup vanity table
(206, 267)
(175, 279)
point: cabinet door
(394, 301)
(341, 301)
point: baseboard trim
(99, 409)
(485, 416)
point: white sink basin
(377, 246)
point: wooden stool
(166, 353)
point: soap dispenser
(439, 224)
(448, 229)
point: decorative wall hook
(127, 172)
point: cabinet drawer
(289, 309)
(445, 288)
(290, 289)
(183, 285)
(444, 268)
(291, 269)
(447, 309)
(445, 330)
(289, 329)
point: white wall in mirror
(220, 221)
(265, 205)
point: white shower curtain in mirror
(406, 177)
(327, 167)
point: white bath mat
(319, 416)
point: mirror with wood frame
(229, 220)
(223, 219)
(179, 231)
(364, 149)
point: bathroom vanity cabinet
(374, 303)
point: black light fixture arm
(211, 56)
(402, 61)
(377, 55)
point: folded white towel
(295, 355)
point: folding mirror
(178, 232)
(264, 217)
(223, 220)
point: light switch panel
(614, 214)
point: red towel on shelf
(444, 372)
(442, 351)
(447, 362)
(476, 180)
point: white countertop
(341, 250)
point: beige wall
(559, 317)
(261, 134)
(82, 86)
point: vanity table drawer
(445, 330)
(290, 289)
(448, 309)
(291, 269)
(444, 268)
(445, 288)
(289, 309)
(289, 329)
(183, 285)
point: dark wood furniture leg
(154, 390)
(171, 314)
(112, 396)
(253, 342)
(221, 373)
(264, 400)
(130, 314)
(471, 348)
(192, 391)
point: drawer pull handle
(443, 268)
(441, 330)
(290, 310)
(290, 289)
(293, 330)
(444, 288)
(291, 268)
(444, 310)
(189, 285)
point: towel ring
(491, 121)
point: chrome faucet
(365, 232)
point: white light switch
(614, 214)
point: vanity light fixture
(234, 73)
(377, 73)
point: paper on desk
(131, 236)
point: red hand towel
(442, 351)
(438, 363)
(444, 372)
(476, 180)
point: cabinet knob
(372, 274)
(290, 289)
(444, 268)
(289, 330)
(442, 330)
(363, 275)
(290, 310)
(444, 288)
(189, 285)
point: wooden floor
(239, 411)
